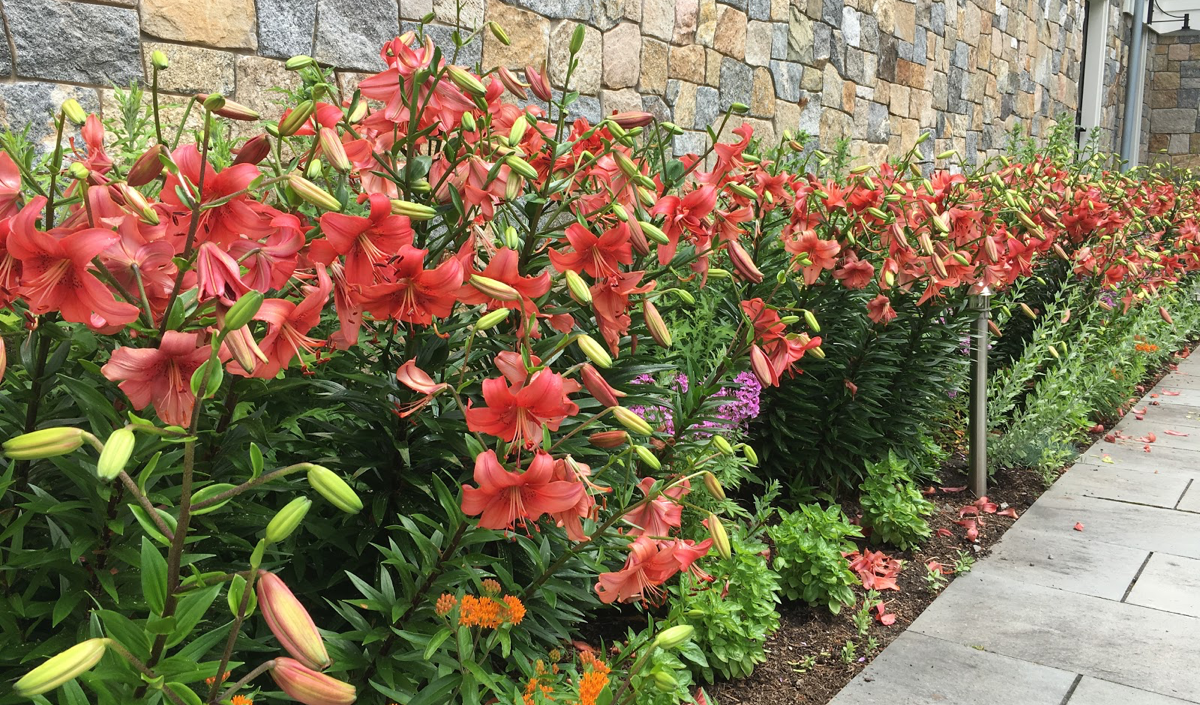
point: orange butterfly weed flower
(242, 700)
(489, 613)
(445, 604)
(515, 610)
(491, 587)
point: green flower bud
(713, 485)
(492, 319)
(45, 443)
(334, 489)
(466, 81)
(576, 39)
(468, 122)
(647, 457)
(720, 539)
(653, 232)
(294, 120)
(74, 111)
(518, 131)
(413, 211)
(214, 102)
(242, 311)
(117, 451)
(499, 33)
(672, 637)
(664, 681)
(159, 60)
(722, 445)
(631, 421)
(811, 320)
(739, 108)
(578, 287)
(594, 351)
(78, 171)
(312, 193)
(61, 668)
(299, 62)
(750, 454)
(520, 167)
(287, 519)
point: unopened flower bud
(287, 520)
(655, 324)
(492, 319)
(619, 211)
(743, 190)
(334, 489)
(520, 167)
(468, 122)
(577, 37)
(751, 455)
(598, 387)
(817, 352)
(242, 311)
(78, 171)
(664, 681)
(608, 439)
(61, 668)
(214, 102)
(538, 84)
(672, 128)
(511, 83)
(630, 420)
(718, 273)
(334, 151)
(46, 443)
(146, 168)
(310, 687)
(496, 289)
(517, 131)
(739, 108)
(673, 637)
(289, 124)
(647, 457)
(722, 445)
(632, 119)
(159, 60)
(720, 539)
(244, 348)
(713, 485)
(761, 366)
(510, 238)
(1165, 315)
(653, 232)
(314, 170)
(413, 211)
(290, 622)
(594, 351)
(313, 194)
(743, 264)
(499, 33)
(74, 111)
(466, 81)
(299, 62)
(810, 319)
(117, 451)
(578, 287)
(1027, 311)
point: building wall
(879, 72)
(1173, 101)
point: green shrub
(809, 544)
(893, 506)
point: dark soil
(805, 663)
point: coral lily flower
(504, 268)
(10, 186)
(364, 242)
(420, 382)
(649, 565)
(597, 255)
(288, 324)
(161, 376)
(658, 516)
(504, 498)
(518, 413)
(410, 293)
(56, 271)
(683, 214)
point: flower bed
(392, 400)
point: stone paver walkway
(1109, 615)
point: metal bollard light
(980, 303)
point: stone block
(257, 78)
(787, 77)
(1164, 99)
(879, 128)
(681, 96)
(690, 143)
(654, 66)
(851, 27)
(70, 41)
(350, 33)
(803, 38)
(579, 10)
(758, 43)
(622, 101)
(687, 63)
(708, 107)
(831, 12)
(530, 34)
(34, 104)
(762, 99)
(706, 23)
(759, 10)
(1168, 583)
(622, 56)
(285, 27)
(469, 54)
(687, 17)
(657, 107)
(1179, 52)
(412, 9)
(920, 669)
(737, 83)
(219, 23)
(586, 78)
(658, 18)
(5, 52)
(194, 69)
(712, 67)
(1178, 144)
(905, 20)
(468, 14)
(730, 35)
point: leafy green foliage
(893, 506)
(809, 544)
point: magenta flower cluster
(733, 415)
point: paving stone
(1188, 396)
(33, 104)
(1128, 644)
(1191, 499)
(1169, 583)
(1131, 525)
(350, 33)
(1161, 458)
(1092, 691)
(285, 27)
(70, 41)
(1165, 416)
(1124, 483)
(919, 670)
(1066, 560)
(218, 23)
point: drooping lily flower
(161, 376)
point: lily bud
(817, 352)
(648, 458)
(619, 211)
(45, 443)
(214, 102)
(499, 33)
(245, 350)
(468, 122)
(720, 539)
(334, 151)
(576, 39)
(78, 171)
(289, 124)
(538, 84)
(517, 131)
(242, 311)
(117, 450)
(298, 62)
(739, 108)
(413, 211)
(159, 60)
(673, 636)
(722, 445)
(496, 289)
(762, 368)
(520, 167)
(655, 324)
(314, 170)
(1165, 314)
(230, 109)
(632, 119)
(578, 287)
(751, 455)
(492, 319)
(334, 489)
(1027, 311)
(810, 319)
(135, 202)
(653, 232)
(626, 164)
(743, 264)
(598, 387)
(630, 420)
(713, 485)
(313, 194)
(466, 81)
(61, 668)
(511, 83)
(74, 111)
(290, 622)
(594, 351)
(664, 681)
(718, 273)
(608, 439)
(310, 687)
(287, 520)
(146, 168)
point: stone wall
(1173, 98)
(878, 72)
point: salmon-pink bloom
(879, 310)
(161, 376)
(687, 552)
(650, 564)
(290, 622)
(410, 293)
(571, 519)
(420, 382)
(658, 516)
(685, 214)
(10, 267)
(269, 265)
(518, 413)
(364, 242)
(504, 268)
(288, 324)
(10, 186)
(855, 273)
(133, 261)
(504, 498)
(240, 217)
(610, 300)
(92, 133)
(218, 275)
(597, 255)
(821, 253)
(349, 312)
(56, 271)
